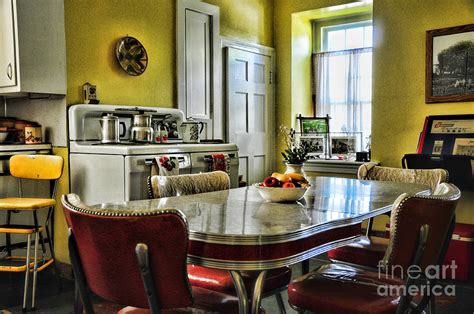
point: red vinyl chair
(219, 280)
(136, 258)
(341, 288)
(371, 249)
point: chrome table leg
(241, 291)
(257, 291)
(244, 301)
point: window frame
(343, 26)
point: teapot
(190, 131)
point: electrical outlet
(89, 93)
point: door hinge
(271, 77)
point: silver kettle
(110, 129)
(141, 130)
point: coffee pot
(141, 130)
(190, 131)
(110, 129)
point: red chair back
(409, 214)
(106, 241)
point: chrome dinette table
(237, 230)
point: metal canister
(110, 129)
(33, 134)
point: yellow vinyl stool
(33, 167)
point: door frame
(227, 42)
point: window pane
(368, 36)
(337, 79)
(354, 38)
(336, 40)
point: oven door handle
(181, 159)
(209, 157)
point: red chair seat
(339, 288)
(366, 252)
(220, 280)
(205, 301)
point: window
(343, 77)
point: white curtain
(343, 89)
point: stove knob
(174, 125)
(175, 134)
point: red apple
(271, 182)
(288, 185)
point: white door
(7, 44)
(250, 110)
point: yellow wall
(91, 35)
(247, 20)
(399, 107)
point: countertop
(23, 147)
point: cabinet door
(7, 44)
(198, 69)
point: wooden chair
(276, 280)
(135, 258)
(32, 167)
(341, 288)
(371, 249)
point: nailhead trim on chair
(452, 194)
(118, 213)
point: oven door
(138, 168)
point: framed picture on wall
(450, 64)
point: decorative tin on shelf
(33, 134)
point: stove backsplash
(84, 122)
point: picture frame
(343, 144)
(450, 64)
(313, 125)
(317, 141)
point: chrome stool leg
(27, 271)
(281, 304)
(35, 270)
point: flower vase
(296, 168)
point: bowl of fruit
(279, 187)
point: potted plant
(296, 152)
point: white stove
(118, 172)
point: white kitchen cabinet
(32, 47)
(199, 64)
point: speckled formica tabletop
(241, 215)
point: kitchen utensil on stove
(33, 134)
(110, 129)
(190, 131)
(141, 130)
